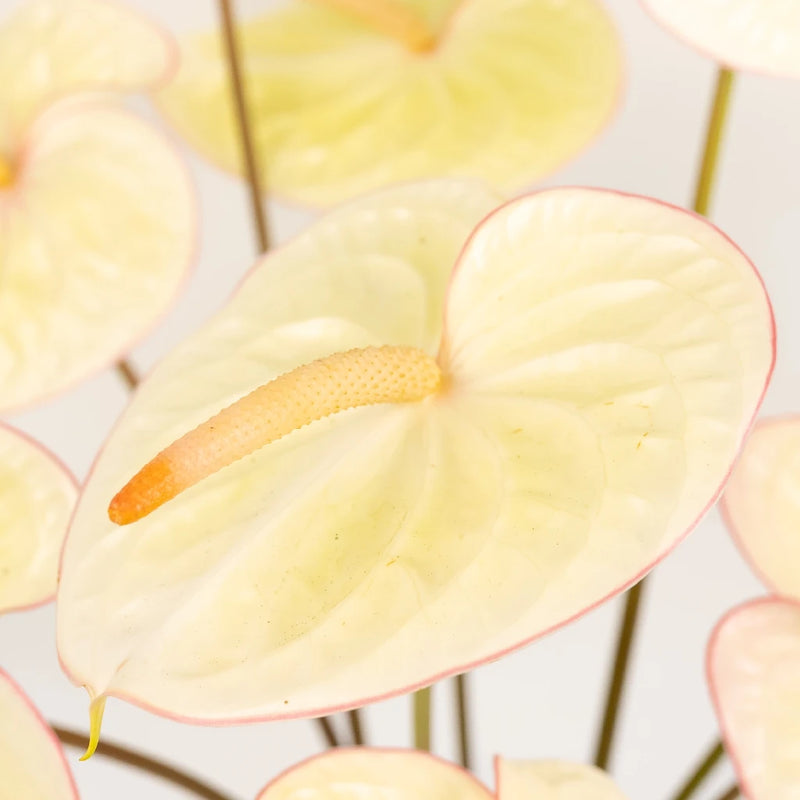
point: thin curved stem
(128, 374)
(422, 719)
(616, 684)
(703, 769)
(356, 728)
(713, 144)
(152, 766)
(731, 794)
(462, 719)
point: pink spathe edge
(725, 732)
(733, 528)
(309, 713)
(398, 751)
(299, 205)
(49, 732)
(67, 472)
(76, 107)
(710, 54)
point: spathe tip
(96, 709)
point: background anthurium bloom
(603, 356)
(754, 655)
(752, 35)
(508, 91)
(31, 760)
(95, 207)
(37, 496)
(371, 774)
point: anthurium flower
(32, 763)
(96, 212)
(351, 95)
(754, 655)
(471, 444)
(752, 35)
(372, 774)
(37, 496)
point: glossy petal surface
(762, 503)
(52, 48)
(757, 35)
(513, 89)
(754, 671)
(365, 774)
(31, 761)
(37, 496)
(553, 780)
(603, 357)
(97, 236)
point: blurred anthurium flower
(754, 655)
(412, 775)
(32, 763)
(351, 95)
(526, 423)
(751, 35)
(96, 212)
(37, 496)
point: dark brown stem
(355, 727)
(128, 374)
(616, 683)
(243, 122)
(462, 720)
(703, 769)
(731, 794)
(139, 761)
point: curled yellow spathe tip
(96, 709)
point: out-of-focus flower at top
(754, 655)
(471, 444)
(96, 211)
(37, 496)
(32, 762)
(750, 35)
(352, 95)
(373, 774)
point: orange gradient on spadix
(6, 173)
(350, 379)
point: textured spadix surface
(32, 764)
(364, 774)
(510, 90)
(754, 672)
(762, 503)
(37, 496)
(757, 35)
(96, 212)
(602, 357)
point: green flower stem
(616, 684)
(702, 201)
(139, 761)
(462, 719)
(714, 132)
(702, 771)
(422, 719)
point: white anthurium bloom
(32, 763)
(754, 674)
(37, 497)
(754, 655)
(751, 35)
(374, 774)
(96, 210)
(352, 95)
(476, 435)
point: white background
(544, 701)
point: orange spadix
(310, 392)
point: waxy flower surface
(37, 496)
(347, 95)
(31, 760)
(371, 774)
(752, 35)
(96, 212)
(754, 655)
(522, 418)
